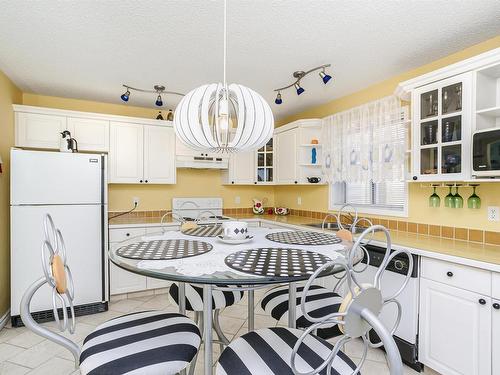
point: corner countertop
(474, 254)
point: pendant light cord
(225, 40)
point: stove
(206, 210)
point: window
(384, 198)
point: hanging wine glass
(434, 200)
(458, 201)
(474, 201)
(448, 200)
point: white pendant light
(223, 118)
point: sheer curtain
(366, 143)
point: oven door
(486, 153)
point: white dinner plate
(234, 242)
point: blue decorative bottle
(313, 155)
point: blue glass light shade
(300, 90)
(325, 77)
(159, 102)
(125, 96)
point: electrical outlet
(237, 200)
(299, 200)
(493, 213)
(135, 201)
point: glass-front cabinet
(251, 167)
(441, 129)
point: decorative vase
(258, 205)
(313, 155)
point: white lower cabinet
(455, 330)
(495, 332)
(122, 281)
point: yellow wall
(190, 182)
(316, 197)
(9, 94)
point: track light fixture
(298, 75)
(278, 99)
(157, 89)
(299, 89)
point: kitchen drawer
(495, 285)
(464, 277)
(118, 235)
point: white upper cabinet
(41, 128)
(241, 169)
(286, 157)
(299, 152)
(159, 155)
(35, 130)
(441, 130)
(126, 153)
(91, 134)
(141, 154)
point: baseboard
(4, 319)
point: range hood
(189, 158)
(202, 162)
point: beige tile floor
(22, 352)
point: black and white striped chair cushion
(319, 302)
(194, 297)
(150, 342)
(268, 351)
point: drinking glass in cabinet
(269, 160)
(474, 201)
(428, 132)
(448, 200)
(458, 201)
(451, 98)
(451, 161)
(429, 104)
(428, 160)
(264, 174)
(269, 145)
(260, 159)
(451, 129)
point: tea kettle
(67, 144)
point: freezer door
(81, 227)
(42, 177)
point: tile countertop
(464, 252)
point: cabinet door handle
(482, 301)
(449, 274)
(496, 306)
(128, 234)
(146, 181)
(255, 182)
(140, 181)
(415, 178)
(295, 181)
(232, 182)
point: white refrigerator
(72, 188)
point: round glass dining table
(211, 270)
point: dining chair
(288, 351)
(321, 301)
(148, 342)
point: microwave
(486, 153)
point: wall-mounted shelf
(310, 165)
(311, 145)
(490, 112)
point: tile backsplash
(464, 234)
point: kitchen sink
(334, 226)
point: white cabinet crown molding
(403, 90)
(89, 115)
(312, 122)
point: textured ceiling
(87, 49)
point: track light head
(159, 102)
(278, 99)
(299, 89)
(125, 96)
(325, 77)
